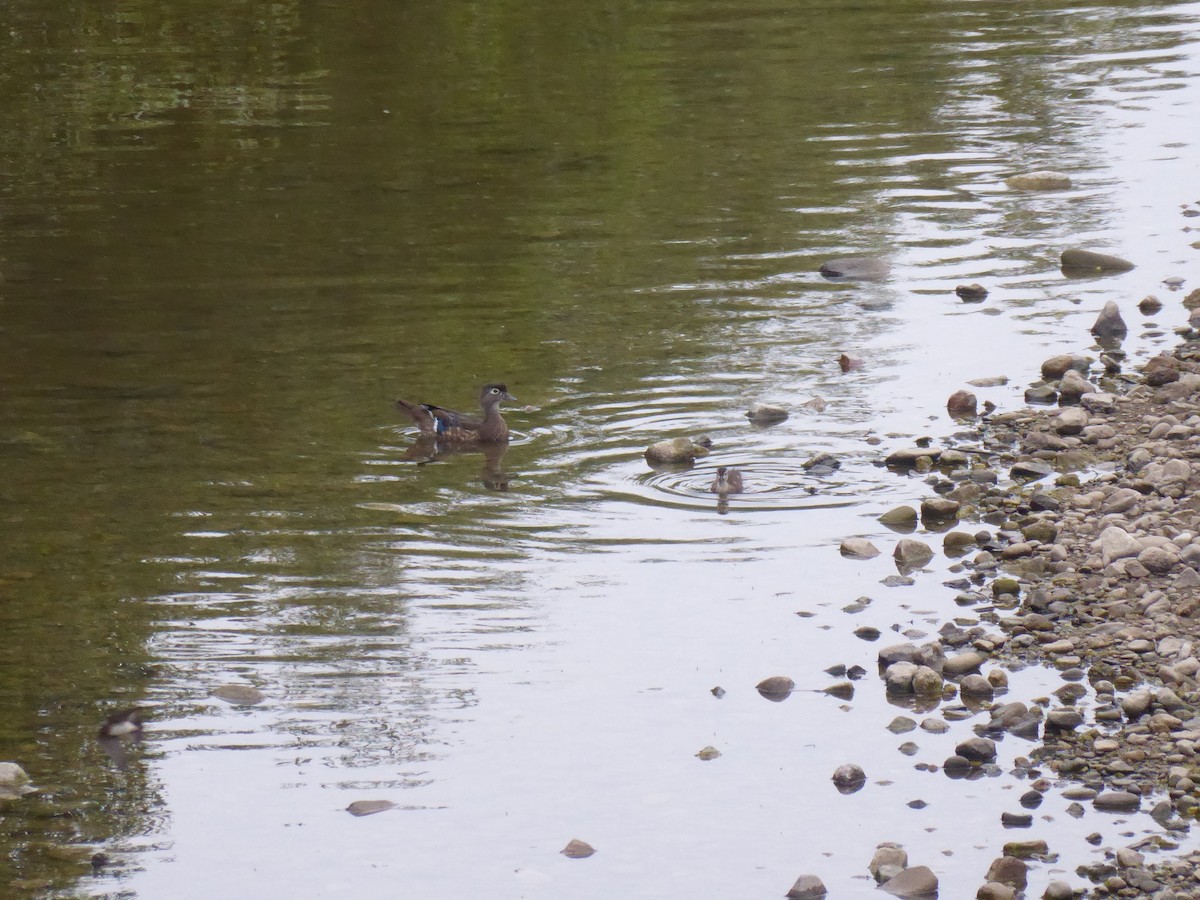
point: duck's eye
(495, 390)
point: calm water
(229, 238)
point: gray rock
(1065, 719)
(1056, 366)
(962, 405)
(912, 554)
(858, 548)
(926, 682)
(1117, 543)
(889, 860)
(1136, 704)
(849, 778)
(994, 890)
(908, 457)
(939, 509)
(1089, 261)
(977, 749)
(976, 686)
(963, 663)
(1070, 420)
(775, 687)
(900, 517)
(912, 882)
(1117, 801)
(766, 413)
(1009, 870)
(1109, 323)
(1029, 469)
(1073, 386)
(807, 887)
(1058, 890)
(898, 677)
(1158, 560)
(1098, 402)
(1041, 394)
(868, 268)
(971, 293)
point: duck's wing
(448, 421)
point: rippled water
(230, 239)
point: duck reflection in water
(116, 730)
(446, 432)
(427, 449)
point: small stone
(926, 682)
(994, 890)
(976, 686)
(962, 405)
(849, 778)
(674, 451)
(914, 882)
(858, 548)
(1041, 180)
(577, 849)
(1056, 366)
(776, 688)
(1117, 801)
(963, 664)
(807, 887)
(1016, 820)
(1079, 260)
(239, 694)
(898, 677)
(1058, 890)
(912, 554)
(1009, 870)
(766, 413)
(1071, 420)
(889, 860)
(1073, 386)
(869, 268)
(1065, 719)
(369, 807)
(908, 458)
(971, 293)
(900, 517)
(1109, 323)
(1150, 305)
(708, 753)
(977, 749)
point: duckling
(456, 427)
(728, 481)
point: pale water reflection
(229, 240)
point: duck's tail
(419, 414)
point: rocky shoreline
(1083, 554)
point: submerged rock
(239, 694)
(1041, 180)
(766, 413)
(868, 268)
(369, 807)
(1078, 260)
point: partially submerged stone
(1041, 180)
(369, 807)
(239, 694)
(766, 413)
(674, 451)
(912, 554)
(1109, 323)
(849, 778)
(962, 405)
(858, 548)
(807, 887)
(577, 849)
(776, 688)
(14, 781)
(918, 881)
(866, 268)
(708, 753)
(902, 517)
(971, 293)
(1080, 261)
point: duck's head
(494, 394)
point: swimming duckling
(728, 481)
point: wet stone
(1016, 820)
(913, 882)
(807, 887)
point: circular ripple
(769, 484)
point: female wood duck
(728, 481)
(456, 427)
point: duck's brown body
(728, 481)
(460, 428)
